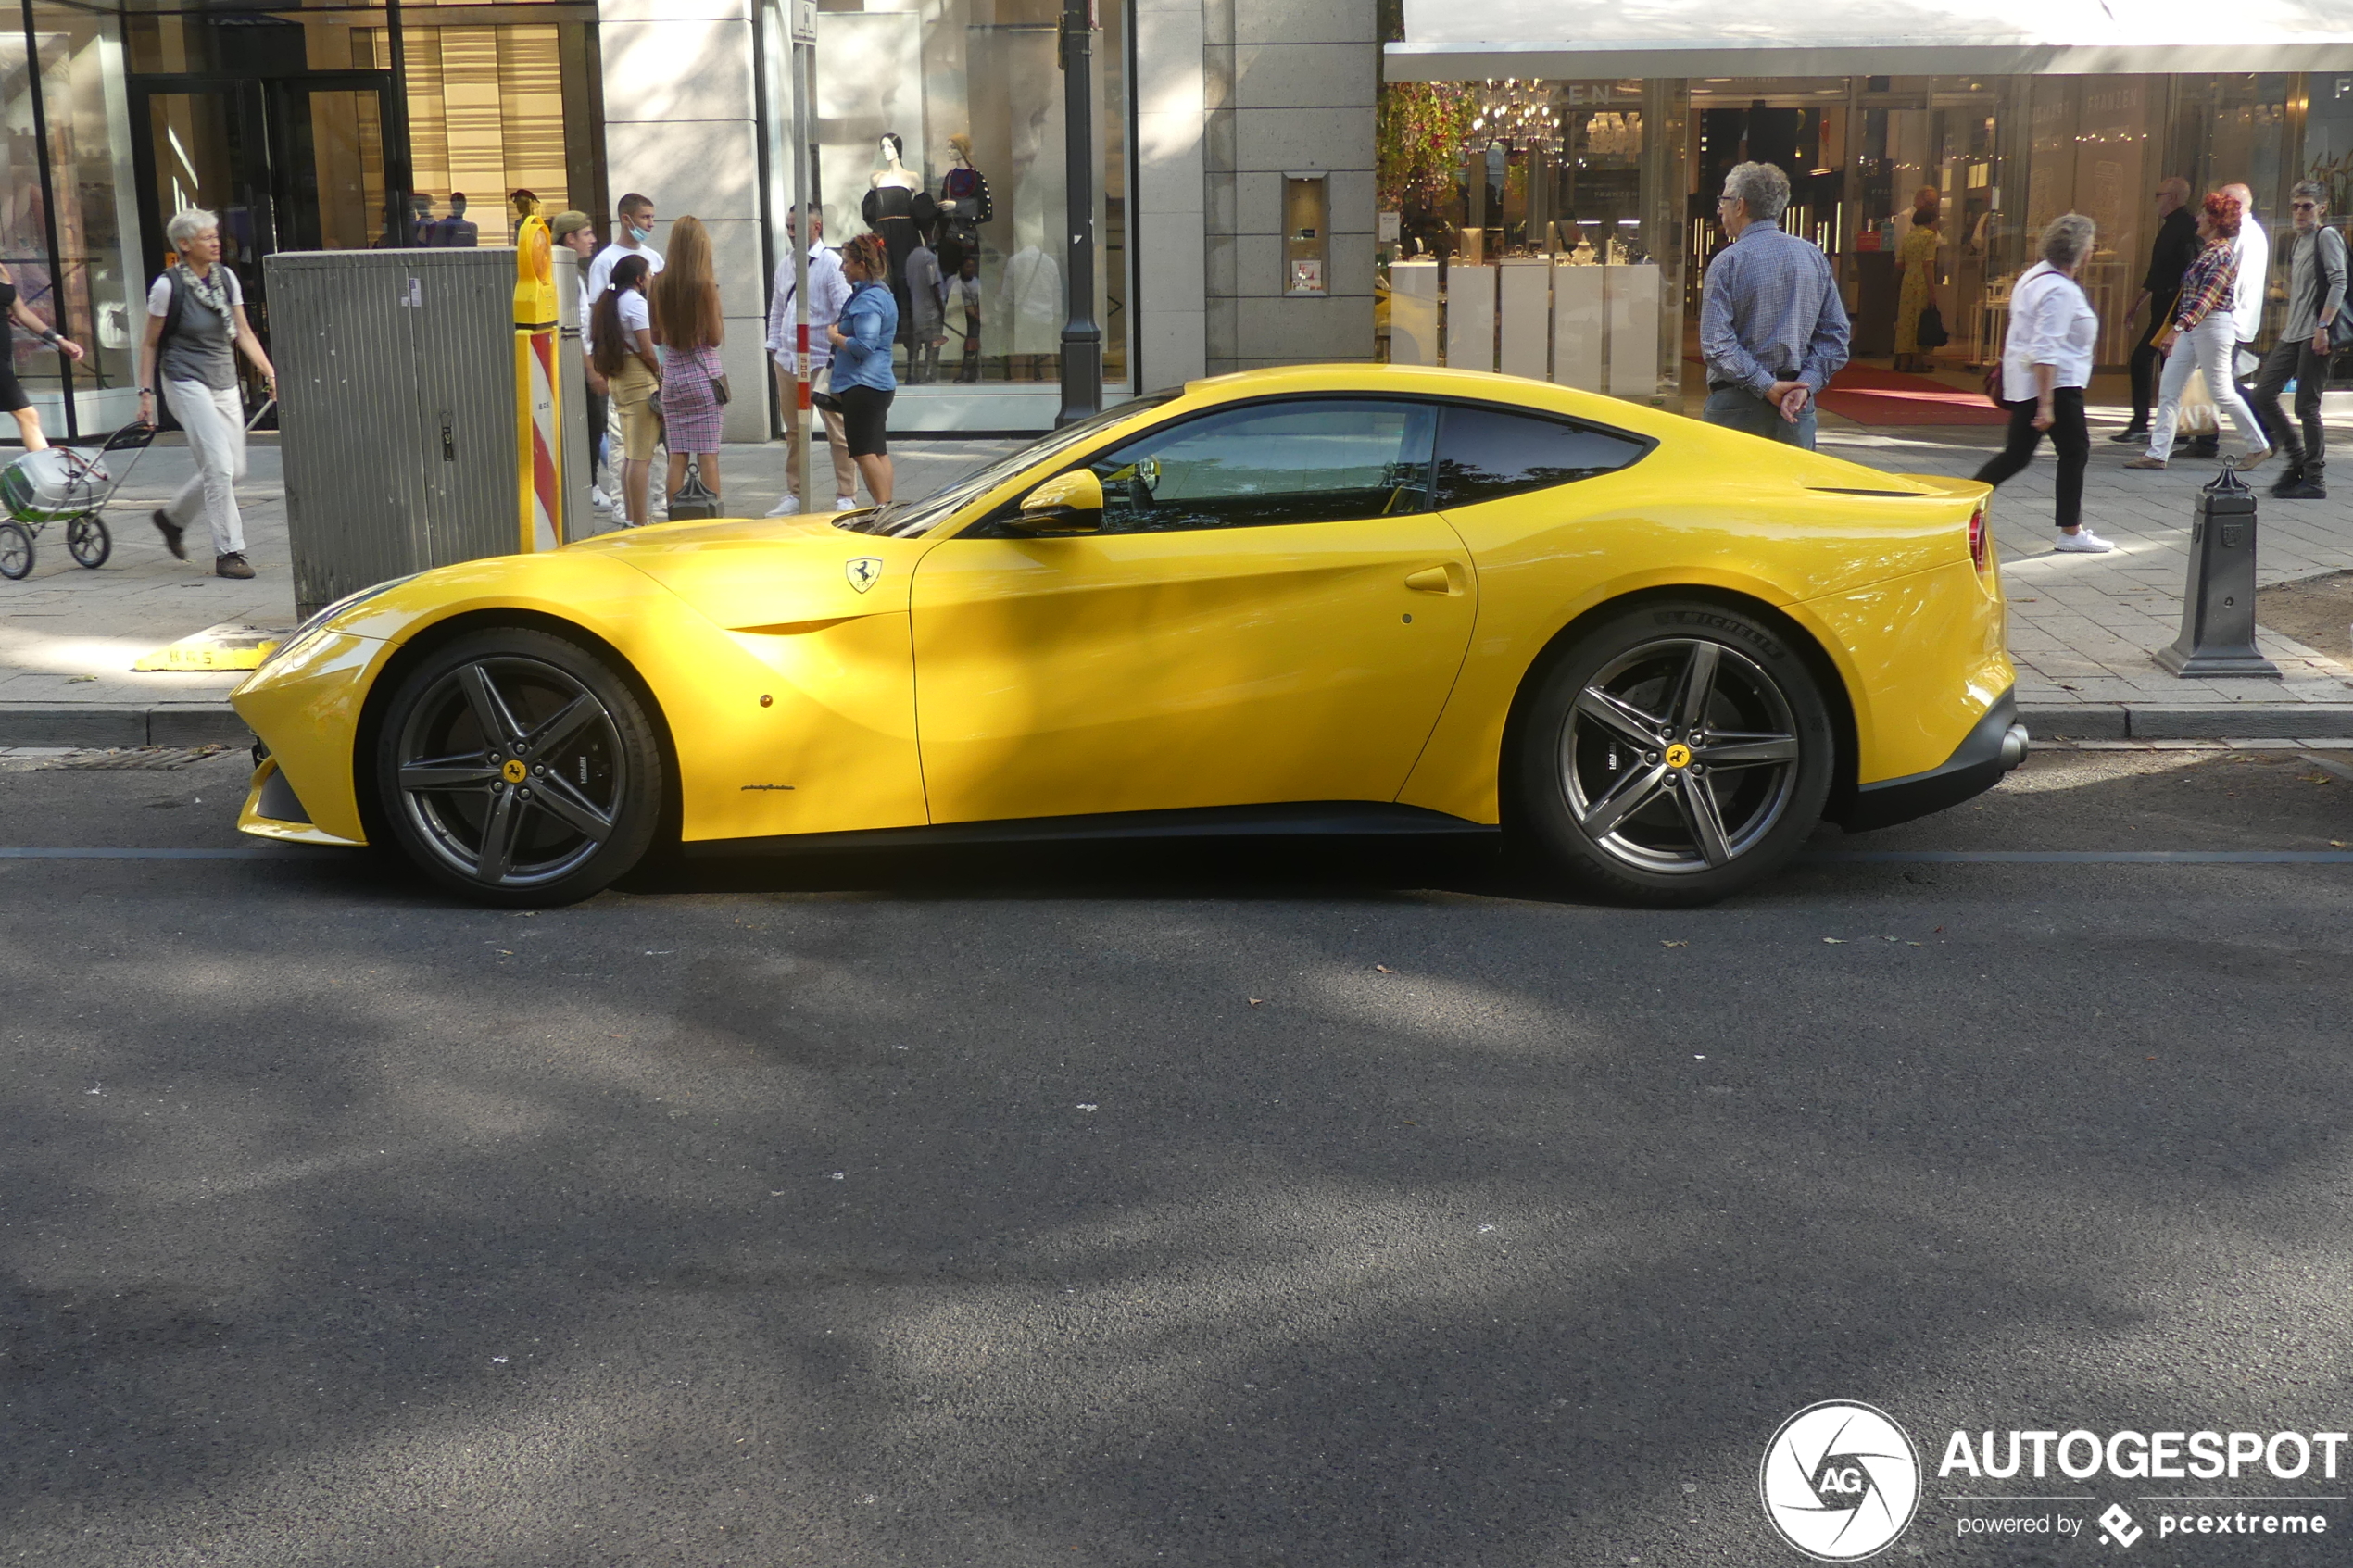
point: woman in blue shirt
(862, 382)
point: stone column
(1166, 220)
(680, 127)
(1289, 90)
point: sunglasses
(2304, 206)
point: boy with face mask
(629, 237)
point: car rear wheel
(515, 767)
(1674, 754)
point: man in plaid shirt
(1771, 328)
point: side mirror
(1068, 503)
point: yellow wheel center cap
(515, 772)
(1678, 756)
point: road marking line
(2084, 857)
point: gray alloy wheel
(516, 769)
(1673, 753)
(1679, 756)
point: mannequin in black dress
(900, 212)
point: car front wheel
(1674, 754)
(515, 767)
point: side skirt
(1331, 819)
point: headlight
(317, 622)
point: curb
(173, 724)
(2212, 720)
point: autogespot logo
(1840, 1481)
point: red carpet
(1882, 397)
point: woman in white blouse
(2045, 366)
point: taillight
(1977, 552)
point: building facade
(1550, 167)
(1524, 186)
(1218, 123)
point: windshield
(904, 519)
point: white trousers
(215, 423)
(2207, 347)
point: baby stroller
(59, 484)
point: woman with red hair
(2202, 337)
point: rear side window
(1484, 454)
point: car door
(1269, 612)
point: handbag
(693, 499)
(1931, 332)
(719, 388)
(820, 388)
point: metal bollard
(2218, 605)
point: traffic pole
(538, 436)
(1082, 342)
(804, 199)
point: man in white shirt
(828, 292)
(629, 237)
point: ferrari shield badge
(865, 572)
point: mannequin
(899, 209)
(964, 206)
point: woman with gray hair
(2045, 366)
(196, 323)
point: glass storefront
(924, 103)
(1518, 208)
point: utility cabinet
(397, 411)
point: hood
(773, 574)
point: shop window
(941, 128)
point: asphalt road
(1249, 1205)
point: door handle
(1433, 580)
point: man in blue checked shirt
(1771, 329)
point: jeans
(845, 472)
(2209, 347)
(2146, 359)
(2069, 438)
(214, 421)
(2293, 357)
(1736, 407)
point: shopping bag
(2199, 414)
(44, 485)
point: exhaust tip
(2014, 745)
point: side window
(1485, 453)
(1322, 460)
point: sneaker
(845, 503)
(2255, 459)
(2131, 432)
(171, 532)
(2288, 481)
(234, 564)
(2205, 446)
(2303, 490)
(599, 499)
(2083, 542)
(789, 506)
(2145, 461)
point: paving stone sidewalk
(2083, 627)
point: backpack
(2341, 328)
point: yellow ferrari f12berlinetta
(1324, 599)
